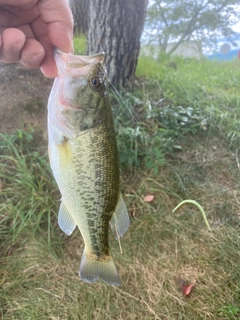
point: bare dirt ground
(23, 100)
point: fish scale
(84, 160)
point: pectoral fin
(120, 219)
(65, 220)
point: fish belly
(86, 171)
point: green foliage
(27, 198)
(230, 311)
(177, 99)
(80, 44)
(195, 95)
(177, 21)
(137, 136)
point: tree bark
(115, 27)
(80, 11)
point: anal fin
(120, 219)
(65, 220)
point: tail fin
(91, 270)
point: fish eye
(94, 82)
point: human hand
(29, 29)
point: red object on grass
(148, 198)
(185, 287)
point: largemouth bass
(84, 160)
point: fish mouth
(75, 61)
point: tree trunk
(115, 27)
(80, 10)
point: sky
(237, 27)
(222, 41)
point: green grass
(27, 195)
(80, 44)
(178, 137)
(175, 98)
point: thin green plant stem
(197, 205)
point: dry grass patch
(37, 283)
(39, 276)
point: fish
(83, 157)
